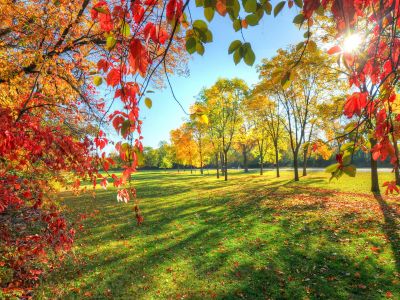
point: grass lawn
(253, 237)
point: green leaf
(233, 46)
(110, 42)
(201, 34)
(305, 145)
(299, 3)
(299, 46)
(148, 102)
(57, 2)
(233, 8)
(200, 48)
(98, 80)
(125, 146)
(285, 82)
(209, 3)
(209, 13)
(312, 46)
(298, 19)
(138, 155)
(150, 92)
(350, 170)
(277, 71)
(267, 8)
(249, 6)
(237, 56)
(307, 34)
(191, 45)
(102, 10)
(331, 168)
(252, 20)
(249, 57)
(200, 24)
(337, 174)
(125, 125)
(278, 8)
(346, 146)
(199, 3)
(259, 14)
(125, 29)
(237, 25)
(209, 36)
(346, 157)
(320, 10)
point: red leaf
(139, 57)
(113, 77)
(106, 166)
(334, 49)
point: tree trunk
(296, 166)
(396, 167)
(245, 162)
(201, 160)
(262, 158)
(226, 166)
(184, 169)
(191, 169)
(216, 161)
(305, 162)
(178, 168)
(374, 172)
(222, 163)
(277, 159)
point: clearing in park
(253, 237)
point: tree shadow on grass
(390, 215)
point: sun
(352, 42)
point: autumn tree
(150, 157)
(245, 141)
(299, 97)
(223, 102)
(198, 128)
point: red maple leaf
(139, 57)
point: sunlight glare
(352, 42)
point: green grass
(253, 237)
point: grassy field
(253, 237)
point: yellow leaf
(204, 119)
(148, 102)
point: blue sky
(270, 35)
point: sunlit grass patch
(253, 237)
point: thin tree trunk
(262, 158)
(178, 168)
(296, 166)
(191, 169)
(245, 162)
(396, 168)
(222, 163)
(277, 159)
(226, 166)
(305, 162)
(216, 160)
(201, 160)
(374, 172)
